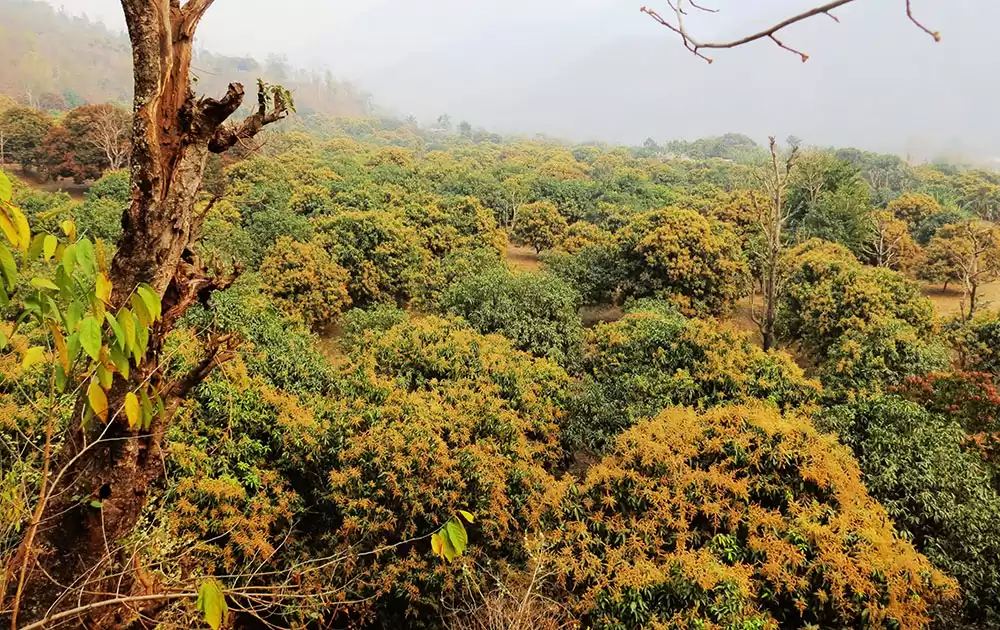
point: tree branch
(191, 15)
(695, 46)
(42, 623)
(228, 136)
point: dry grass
(522, 258)
(950, 302)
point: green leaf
(127, 322)
(6, 188)
(133, 411)
(49, 245)
(467, 516)
(120, 361)
(74, 313)
(33, 356)
(96, 504)
(73, 346)
(147, 410)
(90, 337)
(44, 283)
(35, 249)
(69, 259)
(447, 549)
(85, 256)
(3, 339)
(457, 535)
(8, 266)
(117, 328)
(212, 603)
(151, 299)
(98, 400)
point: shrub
(540, 225)
(583, 234)
(595, 271)
(736, 518)
(304, 282)
(383, 257)
(539, 313)
(680, 255)
(939, 496)
(647, 361)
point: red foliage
(971, 398)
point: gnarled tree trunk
(74, 549)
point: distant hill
(56, 61)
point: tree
(739, 517)
(109, 132)
(173, 134)
(937, 493)
(682, 256)
(24, 130)
(682, 7)
(967, 252)
(890, 244)
(304, 282)
(772, 218)
(914, 208)
(540, 225)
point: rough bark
(173, 134)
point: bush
(736, 518)
(383, 257)
(304, 282)
(540, 225)
(679, 255)
(939, 496)
(650, 360)
(437, 418)
(539, 313)
(595, 271)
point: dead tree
(173, 133)
(680, 9)
(110, 134)
(772, 217)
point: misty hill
(55, 61)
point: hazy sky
(598, 69)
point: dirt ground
(522, 258)
(75, 191)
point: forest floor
(36, 181)
(522, 258)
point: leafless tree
(680, 9)
(772, 218)
(111, 134)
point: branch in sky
(680, 9)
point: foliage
(540, 225)
(939, 496)
(24, 130)
(539, 313)
(679, 255)
(304, 282)
(969, 398)
(595, 271)
(582, 235)
(382, 256)
(736, 518)
(653, 359)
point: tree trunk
(173, 134)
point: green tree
(540, 225)
(968, 253)
(539, 313)
(682, 256)
(304, 282)
(24, 130)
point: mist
(599, 70)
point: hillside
(55, 61)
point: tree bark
(173, 134)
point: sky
(600, 70)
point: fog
(601, 70)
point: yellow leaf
(33, 356)
(467, 516)
(133, 411)
(49, 245)
(69, 229)
(102, 262)
(98, 400)
(61, 349)
(437, 545)
(8, 227)
(103, 288)
(23, 230)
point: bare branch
(696, 46)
